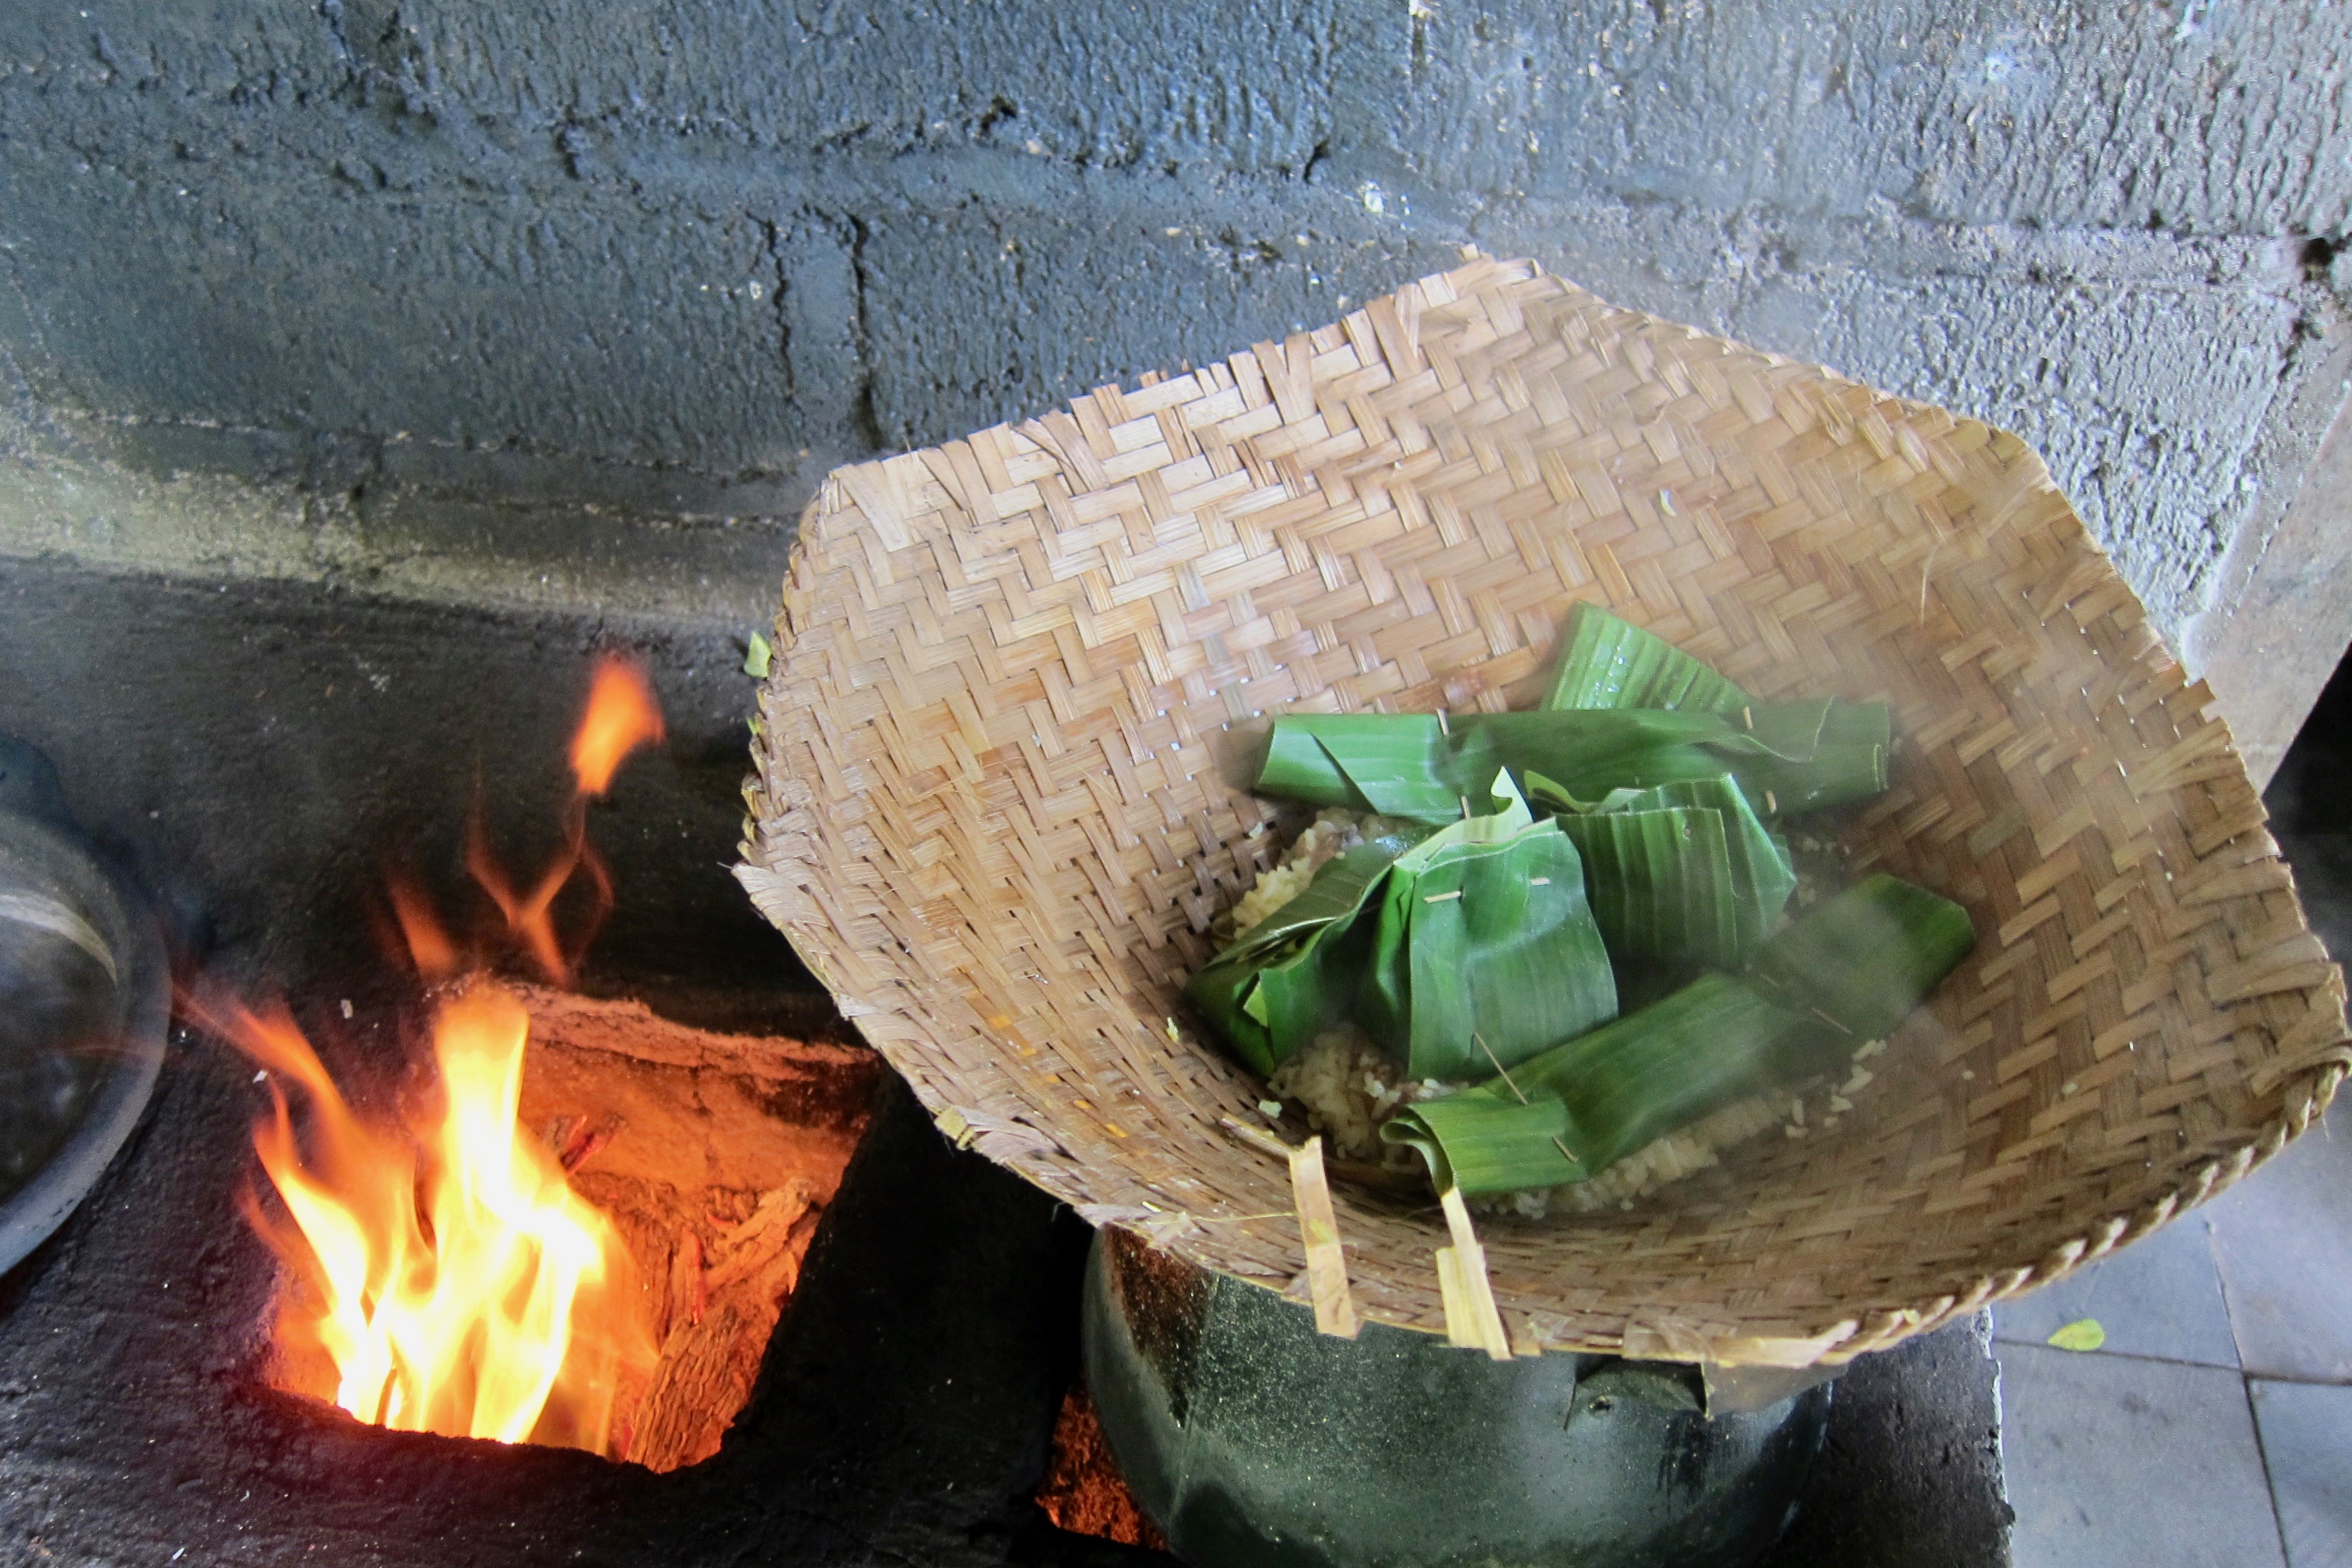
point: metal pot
(85, 997)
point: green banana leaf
(1864, 959)
(1684, 873)
(1475, 939)
(1608, 663)
(1570, 1112)
(1660, 884)
(1787, 756)
(1334, 894)
(1295, 972)
(1484, 949)
(1763, 875)
(1847, 970)
(1400, 764)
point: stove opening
(544, 1218)
(713, 1156)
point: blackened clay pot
(1254, 1442)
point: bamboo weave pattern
(996, 804)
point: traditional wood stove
(238, 748)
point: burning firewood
(721, 1299)
(629, 1284)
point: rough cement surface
(454, 298)
(248, 745)
(2197, 117)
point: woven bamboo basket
(997, 807)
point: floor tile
(2114, 1462)
(2306, 1429)
(2159, 1297)
(2283, 1240)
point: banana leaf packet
(1471, 946)
(1848, 972)
(1493, 940)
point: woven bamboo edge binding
(994, 807)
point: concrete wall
(578, 298)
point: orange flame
(622, 716)
(530, 917)
(429, 946)
(448, 1272)
(455, 1281)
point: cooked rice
(1681, 1152)
(1348, 1086)
(1689, 1149)
(1334, 830)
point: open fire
(446, 1272)
(449, 1273)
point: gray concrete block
(253, 51)
(2158, 1298)
(690, 252)
(235, 295)
(2306, 1430)
(976, 316)
(2283, 1239)
(2148, 369)
(1233, 84)
(2118, 1463)
(2279, 621)
(1912, 1470)
(2194, 117)
(720, 571)
(2145, 402)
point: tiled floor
(2214, 1427)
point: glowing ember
(444, 1267)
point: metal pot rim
(30, 1215)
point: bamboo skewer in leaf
(1684, 873)
(1298, 971)
(1492, 941)
(1660, 883)
(1483, 933)
(1865, 958)
(1480, 927)
(1574, 1110)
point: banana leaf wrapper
(1591, 1102)
(1788, 757)
(1295, 972)
(1685, 873)
(1473, 946)
(1610, 663)
(1483, 950)
(1865, 958)
(1849, 971)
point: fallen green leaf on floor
(2082, 1334)
(755, 661)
